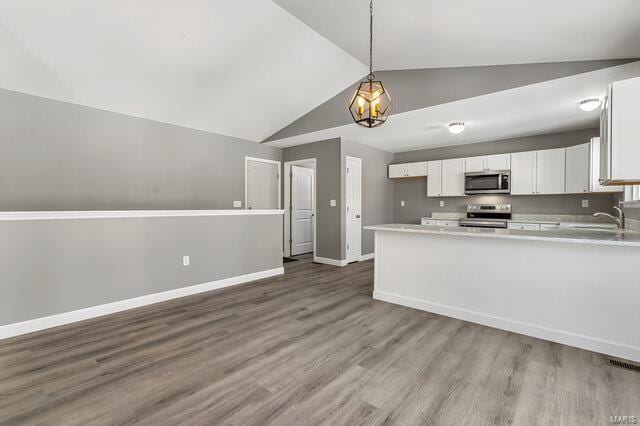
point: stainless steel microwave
(487, 182)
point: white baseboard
(367, 257)
(37, 324)
(327, 261)
(553, 335)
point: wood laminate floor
(309, 347)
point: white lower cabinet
(453, 177)
(549, 226)
(434, 178)
(524, 226)
(427, 221)
(447, 223)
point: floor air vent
(625, 365)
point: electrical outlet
(402, 203)
(237, 204)
(585, 203)
(442, 203)
(332, 203)
(186, 261)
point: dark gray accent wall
(377, 190)
(55, 266)
(420, 88)
(413, 191)
(60, 156)
(328, 174)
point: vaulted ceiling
(412, 34)
(243, 68)
(283, 69)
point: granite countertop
(612, 238)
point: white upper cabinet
(538, 172)
(417, 169)
(408, 170)
(619, 127)
(453, 177)
(578, 169)
(523, 173)
(488, 162)
(550, 174)
(398, 170)
(434, 178)
(595, 170)
(499, 162)
(476, 164)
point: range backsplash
(417, 204)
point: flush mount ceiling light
(589, 104)
(457, 127)
(371, 103)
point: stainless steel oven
(487, 216)
(488, 182)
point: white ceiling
(244, 68)
(547, 107)
(449, 33)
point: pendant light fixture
(371, 103)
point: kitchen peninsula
(561, 285)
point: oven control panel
(489, 208)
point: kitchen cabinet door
(448, 223)
(397, 170)
(417, 169)
(550, 171)
(453, 177)
(498, 162)
(434, 178)
(595, 170)
(577, 169)
(524, 226)
(427, 222)
(523, 173)
(475, 164)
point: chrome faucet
(619, 220)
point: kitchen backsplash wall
(413, 191)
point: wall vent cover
(625, 365)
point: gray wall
(59, 156)
(421, 88)
(377, 190)
(413, 190)
(56, 266)
(328, 173)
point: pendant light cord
(371, 76)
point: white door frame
(358, 160)
(287, 203)
(263, 160)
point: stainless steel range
(487, 215)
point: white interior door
(302, 210)
(262, 184)
(354, 208)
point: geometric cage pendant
(371, 104)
